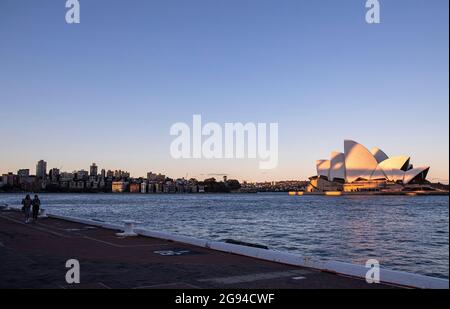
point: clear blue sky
(108, 90)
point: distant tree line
(212, 186)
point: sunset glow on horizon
(108, 90)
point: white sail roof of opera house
(395, 167)
(415, 172)
(379, 154)
(358, 163)
(337, 165)
(323, 168)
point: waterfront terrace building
(135, 188)
(358, 169)
(119, 186)
(144, 187)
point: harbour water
(403, 232)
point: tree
(233, 184)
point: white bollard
(43, 213)
(128, 230)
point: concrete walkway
(34, 256)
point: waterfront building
(144, 187)
(103, 173)
(64, 184)
(135, 187)
(72, 185)
(158, 188)
(358, 169)
(28, 183)
(93, 170)
(41, 169)
(180, 188)
(119, 186)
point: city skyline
(108, 90)
(118, 181)
(42, 169)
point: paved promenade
(34, 256)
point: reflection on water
(403, 233)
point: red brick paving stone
(34, 256)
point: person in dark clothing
(36, 205)
(26, 208)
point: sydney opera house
(358, 169)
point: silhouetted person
(26, 208)
(36, 205)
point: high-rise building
(41, 169)
(93, 171)
(103, 173)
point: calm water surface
(402, 232)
